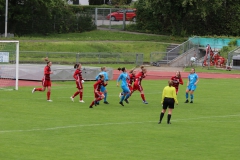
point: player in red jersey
(131, 81)
(97, 91)
(137, 84)
(177, 80)
(46, 81)
(79, 80)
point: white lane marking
(106, 124)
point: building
(79, 2)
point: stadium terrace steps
(172, 54)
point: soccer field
(32, 128)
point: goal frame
(17, 60)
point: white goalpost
(9, 65)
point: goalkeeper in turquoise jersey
(103, 88)
(124, 77)
(191, 84)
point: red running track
(153, 75)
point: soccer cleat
(49, 100)
(186, 101)
(159, 122)
(121, 103)
(106, 102)
(126, 101)
(95, 103)
(72, 98)
(81, 101)
(168, 122)
(120, 95)
(33, 90)
(90, 106)
(145, 102)
(191, 102)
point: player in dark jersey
(177, 80)
(79, 80)
(137, 84)
(46, 80)
(97, 91)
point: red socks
(48, 95)
(38, 89)
(75, 94)
(81, 95)
(143, 97)
(99, 99)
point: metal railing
(236, 51)
(84, 58)
(173, 54)
(184, 47)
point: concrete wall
(184, 59)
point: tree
(40, 16)
(189, 16)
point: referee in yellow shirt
(169, 97)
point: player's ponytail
(143, 69)
(131, 71)
(101, 76)
(179, 74)
(46, 60)
(76, 65)
(122, 69)
(194, 70)
(102, 68)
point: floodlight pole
(6, 17)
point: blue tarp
(213, 42)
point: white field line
(109, 95)
(107, 124)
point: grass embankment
(97, 41)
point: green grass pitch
(32, 128)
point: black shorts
(168, 103)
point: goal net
(9, 61)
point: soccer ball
(192, 59)
(82, 81)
